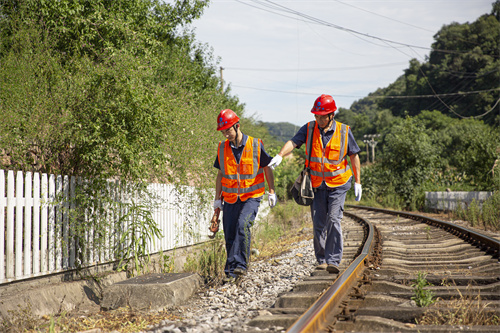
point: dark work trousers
(237, 219)
(327, 211)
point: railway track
(399, 262)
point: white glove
(357, 191)
(272, 199)
(275, 162)
(217, 204)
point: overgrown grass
(123, 320)
(209, 261)
(271, 236)
(280, 229)
(20, 320)
(465, 310)
(486, 216)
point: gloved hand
(272, 199)
(217, 204)
(357, 191)
(275, 162)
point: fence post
(36, 223)
(52, 223)
(19, 225)
(73, 221)
(65, 223)
(10, 225)
(43, 224)
(28, 203)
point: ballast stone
(154, 292)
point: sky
(279, 56)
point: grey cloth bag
(302, 191)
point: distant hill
(282, 131)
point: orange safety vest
(329, 163)
(246, 179)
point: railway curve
(413, 260)
(393, 262)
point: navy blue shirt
(352, 148)
(265, 159)
(300, 138)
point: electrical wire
(277, 8)
(386, 17)
(405, 23)
(271, 5)
(375, 96)
(314, 69)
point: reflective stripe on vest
(329, 163)
(246, 179)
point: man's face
(323, 121)
(229, 133)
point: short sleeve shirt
(265, 159)
(300, 138)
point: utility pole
(221, 79)
(367, 154)
(372, 143)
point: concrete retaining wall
(449, 201)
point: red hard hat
(323, 105)
(226, 119)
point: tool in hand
(214, 223)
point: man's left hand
(272, 199)
(357, 191)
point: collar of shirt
(330, 129)
(243, 141)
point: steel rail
(490, 245)
(316, 316)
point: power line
(386, 17)
(314, 69)
(374, 96)
(281, 8)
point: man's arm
(356, 167)
(287, 148)
(218, 185)
(270, 178)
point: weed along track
(399, 273)
(417, 275)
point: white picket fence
(36, 236)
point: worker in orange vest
(239, 187)
(331, 143)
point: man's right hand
(275, 161)
(218, 204)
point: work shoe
(228, 279)
(322, 266)
(239, 271)
(332, 269)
